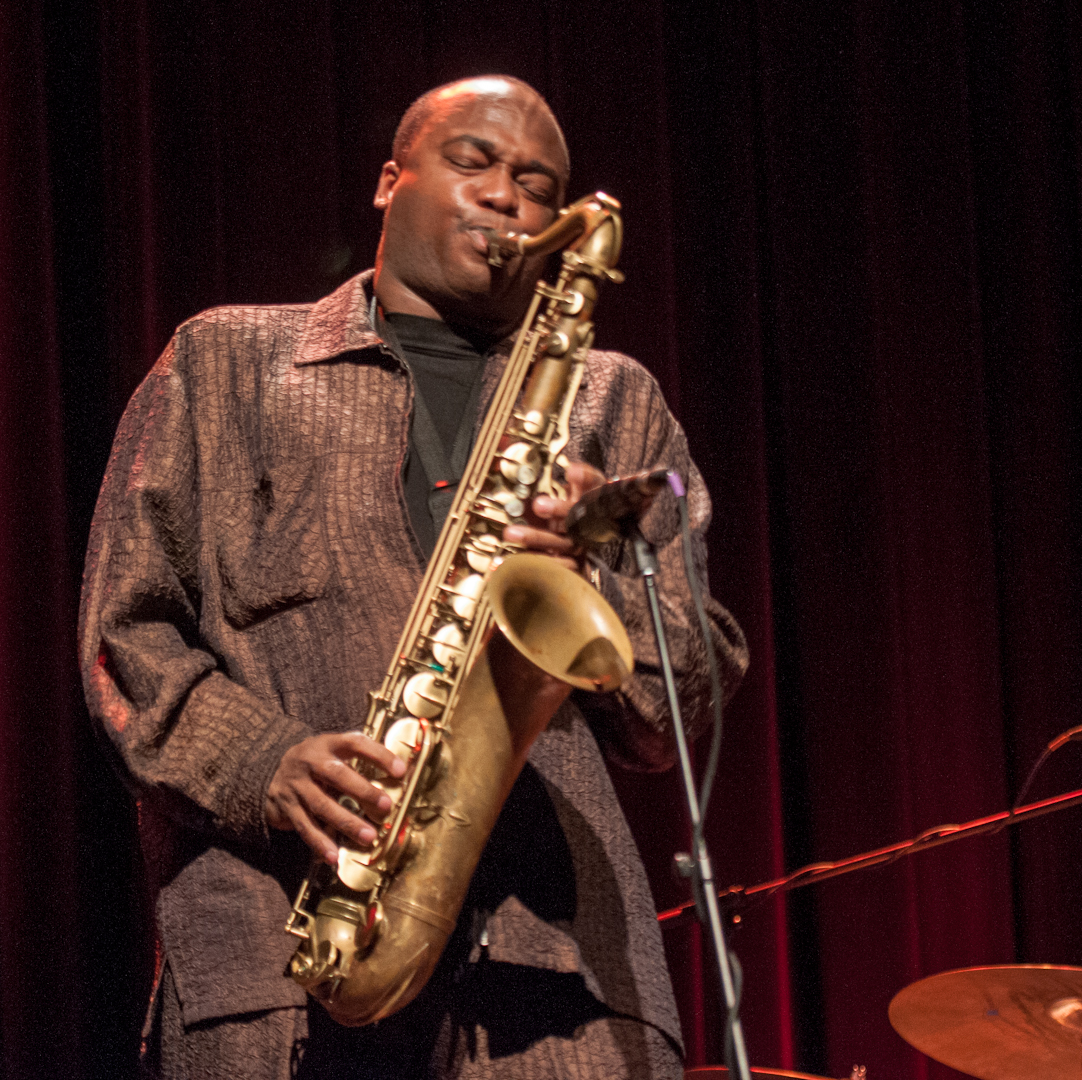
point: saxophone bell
(559, 622)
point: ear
(388, 177)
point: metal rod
(738, 896)
(703, 874)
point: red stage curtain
(39, 953)
(854, 263)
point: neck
(396, 299)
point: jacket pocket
(271, 552)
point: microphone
(613, 509)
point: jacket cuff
(247, 809)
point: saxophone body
(465, 696)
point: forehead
(514, 119)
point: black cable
(1072, 735)
(710, 773)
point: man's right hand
(303, 793)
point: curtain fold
(38, 690)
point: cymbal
(1018, 1022)
(706, 1071)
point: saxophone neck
(575, 225)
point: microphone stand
(697, 865)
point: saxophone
(457, 704)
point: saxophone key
(424, 695)
(519, 458)
(464, 596)
(489, 512)
(512, 504)
(558, 343)
(478, 560)
(412, 844)
(400, 849)
(480, 550)
(354, 871)
(449, 641)
(534, 422)
(404, 738)
(571, 302)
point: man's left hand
(548, 535)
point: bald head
(437, 102)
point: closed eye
(538, 182)
(538, 189)
(468, 161)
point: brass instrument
(462, 711)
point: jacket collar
(342, 322)
(339, 323)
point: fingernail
(331, 856)
(366, 834)
(384, 804)
(513, 534)
(398, 767)
(542, 504)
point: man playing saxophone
(276, 486)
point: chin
(476, 295)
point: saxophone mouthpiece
(502, 246)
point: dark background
(853, 261)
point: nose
(497, 190)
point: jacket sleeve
(636, 431)
(197, 744)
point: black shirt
(446, 363)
